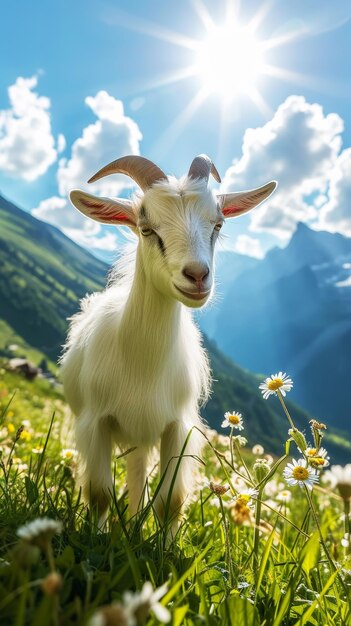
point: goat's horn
(143, 171)
(202, 167)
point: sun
(229, 61)
(233, 63)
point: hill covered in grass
(43, 274)
(247, 553)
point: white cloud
(244, 244)
(298, 147)
(248, 246)
(335, 214)
(60, 212)
(85, 232)
(107, 242)
(111, 136)
(27, 146)
(61, 143)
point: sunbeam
(229, 63)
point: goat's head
(177, 221)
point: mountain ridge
(298, 297)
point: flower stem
(347, 525)
(227, 546)
(50, 557)
(257, 530)
(279, 394)
(237, 450)
(231, 447)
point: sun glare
(229, 61)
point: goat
(134, 370)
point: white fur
(134, 369)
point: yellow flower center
(312, 451)
(234, 419)
(300, 473)
(25, 434)
(243, 498)
(273, 385)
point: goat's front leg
(94, 443)
(176, 468)
(136, 479)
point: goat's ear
(234, 204)
(118, 212)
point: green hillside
(44, 274)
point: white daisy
(141, 603)
(273, 383)
(299, 473)
(40, 529)
(258, 450)
(245, 495)
(318, 458)
(284, 496)
(240, 440)
(234, 420)
(69, 454)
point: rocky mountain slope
(292, 312)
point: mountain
(292, 312)
(228, 266)
(43, 275)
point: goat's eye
(146, 232)
(218, 226)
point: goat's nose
(196, 272)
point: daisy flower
(240, 440)
(38, 450)
(258, 450)
(235, 420)
(299, 473)
(318, 458)
(140, 604)
(284, 496)
(241, 507)
(245, 495)
(40, 531)
(68, 454)
(273, 383)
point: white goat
(134, 370)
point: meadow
(263, 541)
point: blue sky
(107, 78)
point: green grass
(222, 568)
